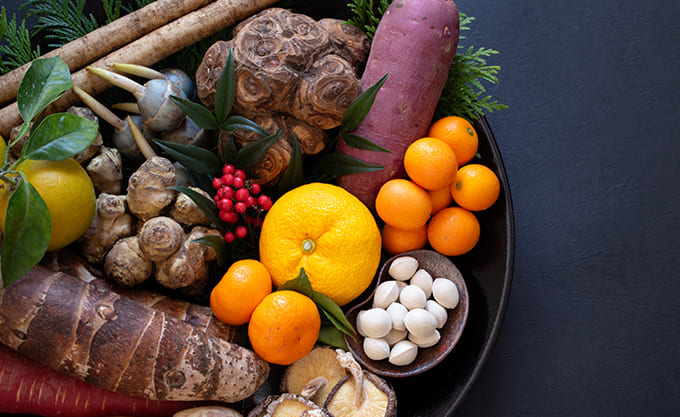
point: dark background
(590, 145)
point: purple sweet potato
(415, 44)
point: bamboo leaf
(360, 142)
(216, 243)
(196, 112)
(60, 136)
(241, 123)
(294, 174)
(194, 158)
(360, 107)
(337, 165)
(254, 152)
(28, 227)
(225, 91)
(45, 80)
(207, 205)
(332, 336)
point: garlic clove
(386, 294)
(395, 336)
(403, 268)
(375, 323)
(423, 279)
(438, 312)
(376, 349)
(397, 312)
(420, 322)
(426, 341)
(403, 353)
(445, 292)
(412, 297)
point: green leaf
(217, 243)
(332, 336)
(254, 152)
(360, 107)
(300, 284)
(332, 309)
(60, 136)
(206, 204)
(337, 165)
(294, 174)
(241, 123)
(194, 158)
(28, 227)
(225, 91)
(196, 112)
(360, 142)
(228, 149)
(45, 80)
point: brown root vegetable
(84, 156)
(110, 223)
(126, 264)
(321, 362)
(147, 192)
(160, 237)
(106, 171)
(112, 342)
(187, 212)
(349, 41)
(415, 44)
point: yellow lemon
(328, 232)
(68, 193)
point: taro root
(298, 74)
(321, 363)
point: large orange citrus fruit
(430, 163)
(240, 290)
(453, 231)
(328, 232)
(459, 134)
(284, 327)
(68, 192)
(403, 204)
(476, 187)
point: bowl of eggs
(413, 318)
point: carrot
(117, 344)
(415, 44)
(149, 49)
(99, 42)
(28, 387)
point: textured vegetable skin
(415, 44)
(28, 387)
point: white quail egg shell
(445, 292)
(423, 279)
(374, 322)
(395, 336)
(397, 312)
(386, 293)
(420, 322)
(403, 353)
(438, 312)
(403, 268)
(376, 349)
(427, 341)
(412, 297)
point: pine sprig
(61, 21)
(367, 14)
(15, 44)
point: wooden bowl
(439, 266)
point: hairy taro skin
(415, 44)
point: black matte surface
(591, 147)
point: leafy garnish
(194, 158)
(217, 243)
(205, 204)
(360, 106)
(333, 165)
(367, 14)
(294, 174)
(65, 21)
(15, 43)
(255, 151)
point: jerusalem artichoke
(147, 192)
(126, 264)
(106, 171)
(111, 222)
(160, 237)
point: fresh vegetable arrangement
(226, 219)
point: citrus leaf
(60, 136)
(337, 165)
(194, 158)
(331, 336)
(360, 142)
(254, 152)
(360, 106)
(45, 80)
(216, 243)
(335, 313)
(225, 91)
(28, 227)
(196, 112)
(294, 174)
(300, 284)
(241, 123)
(207, 205)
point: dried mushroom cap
(208, 411)
(320, 362)
(292, 405)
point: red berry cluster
(238, 202)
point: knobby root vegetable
(149, 49)
(105, 39)
(414, 44)
(126, 264)
(106, 171)
(27, 387)
(148, 193)
(160, 237)
(111, 222)
(115, 343)
(187, 212)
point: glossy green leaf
(294, 174)
(360, 142)
(194, 158)
(332, 336)
(334, 311)
(228, 149)
(254, 152)
(28, 228)
(196, 112)
(206, 204)
(300, 284)
(233, 123)
(336, 165)
(45, 80)
(60, 136)
(360, 106)
(217, 243)
(225, 91)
